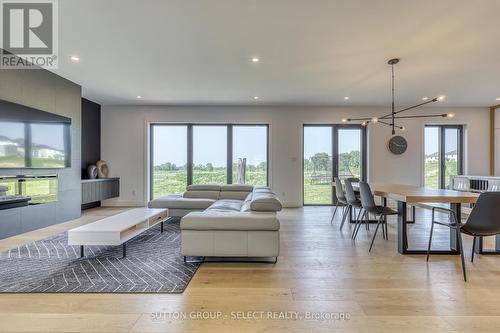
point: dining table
(406, 195)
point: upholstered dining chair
(341, 201)
(484, 220)
(368, 203)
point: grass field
(18, 162)
(175, 181)
(432, 173)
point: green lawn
(432, 173)
(175, 181)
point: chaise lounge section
(226, 220)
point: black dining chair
(484, 220)
(352, 200)
(368, 203)
(341, 200)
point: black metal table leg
(457, 208)
(479, 249)
(402, 231)
(82, 251)
(124, 250)
(161, 226)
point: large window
(250, 154)
(206, 154)
(331, 151)
(443, 154)
(209, 154)
(169, 159)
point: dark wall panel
(91, 134)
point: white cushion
(237, 187)
(229, 220)
(178, 202)
(204, 187)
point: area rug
(153, 265)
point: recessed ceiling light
(425, 98)
(256, 97)
(75, 58)
(346, 98)
(441, 98)
(255, 59)
(139, 97)
(450, 115)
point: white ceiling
(313, 52)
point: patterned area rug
(153, 265)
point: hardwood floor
(320, 270)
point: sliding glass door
(331, 151)
(318, 156)
(184, 154)
(443, 154)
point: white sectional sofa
(226, 220)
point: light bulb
(403, 128)
(374, 120)
(441, 98)
(450, 115)
(344, 120)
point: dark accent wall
(91, 134)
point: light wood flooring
(320, 270)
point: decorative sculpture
(102, 169)
(92, 171)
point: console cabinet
(95, 190)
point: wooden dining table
(412, 195)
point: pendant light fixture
(391, 118)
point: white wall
(124, 142)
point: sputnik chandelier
(391, 118)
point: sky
(209, 144)
(432, 140)
(319, 139)
(51, 135)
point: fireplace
(22, 190)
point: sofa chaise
(226, 220)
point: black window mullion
(229, 163)
(442, 157)
(335, 157)
(189, 165)
(151, 167)
(28, 158)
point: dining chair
(368, 203)
(341, 200)
(352, 200)
(484, 220)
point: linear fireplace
(23, 190)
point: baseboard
(122, 203)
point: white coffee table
(117, 229)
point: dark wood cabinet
(95, 190)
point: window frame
(335, 154)
(229, 149)
(442, 151)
